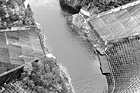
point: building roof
(119, 24)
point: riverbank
(40, 76)
(97, 6)
(112, 30)
(69, 49)
(67, 7)
(27, 65)
(81, 22)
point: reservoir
(70, 50)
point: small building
(85, 12)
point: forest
(101, 5)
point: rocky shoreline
(80, 23)
(112, 44)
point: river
(70, 50)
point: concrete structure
(120, 60)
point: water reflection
(72, 51)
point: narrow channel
(71, 51)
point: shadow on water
(81, 39)
(69, 9)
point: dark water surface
(73, 52)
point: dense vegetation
(40, 77)
(101, 5)
(14, 13)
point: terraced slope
(19, 47)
